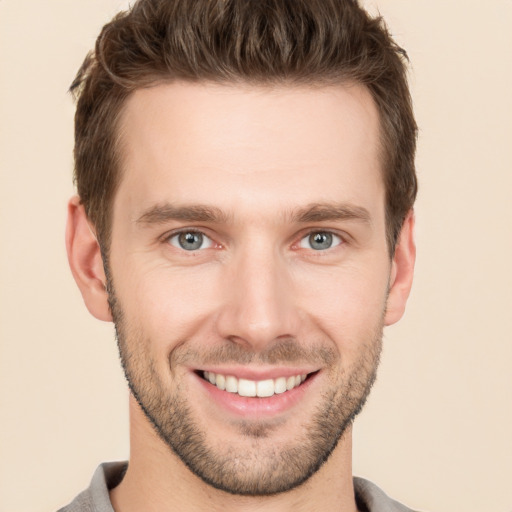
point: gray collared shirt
(95, 498)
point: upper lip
(258, 374)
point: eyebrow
(160, 214)
(315, 212)
(318, 212)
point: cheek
(347, 303)
(168, 304)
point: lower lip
(256, 406)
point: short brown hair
(263, 42)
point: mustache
(280, 352)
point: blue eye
(190, 241)
(320, 241)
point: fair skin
(272, 169)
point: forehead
(244, 145)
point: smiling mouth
(254, 388)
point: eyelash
(337, 238)
(168, 238)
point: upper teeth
(261, 388)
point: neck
(157, 480)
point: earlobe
(85, 260)
(402, 271)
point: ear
(85, 260)
(402, 270)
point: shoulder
(82, 503)
(370, 498)
(96, 497)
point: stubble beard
(258, 467)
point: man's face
(249, 250)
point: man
(245, 175)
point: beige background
(437, 432)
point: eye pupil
(319, 241)
(190, 241)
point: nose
(259, 301)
